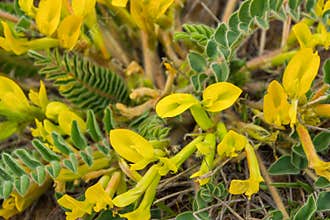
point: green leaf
(283, 166)
(262, 23)
(322, 141)
(211, 49)
(188, 215)
(220, 35)
(275, 215)
(60, 143)
(39, 175)
(307, 211)
(27, 159)
(323, 201)
(6, 188)
(258, 7)
(326, 71)
(322, 182)
(44, 151)
(221, 71)
(298, 159)
(22, 184)
(78, 138)
(71, 163)
(86, 156)
(108, 120)
(54, 169)
(4, 175)
(244, 16)
(197, 81)
(12, 164)
(197, 62)
(92, 127)
(233, 22)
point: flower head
(251, 185)
(132, 147)
(276, 105)
(231, 144)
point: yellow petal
(251, 185)
(175, 104)
(97, 195)
(13, 103)
(78, 208)
(158, 8)
(48, 16)
(300, 72)
(119, 3)
(83, 7)
(40, 99)
(65, 119)
(53, 109)
(276, 107)
(131, 145)
(133, 194)
(69, 31)
(10, 43)
(28, 7)
(220, 96)
(231, 144)
(303, 34)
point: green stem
(201, 117)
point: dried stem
(151, 61)
(285, 32)
(273, 191)
(230, 7)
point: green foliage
(307, 210)
(222, 43)
(150, 126)
(283, 166)
(22, 166)
(84, 83)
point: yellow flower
(69, 31)
(303, 35)
(83, 7)
(95, 198)
(143, 211)
(220, 96)
(175, 104)
(207, 148)
(321, 167)
(133, 194)
(98, 196)
(48, 16)
(145, 13)
(231, 144)
(119, 3)
(15, 203)
(13, 103)
(300, 73)
(78, 208)
(251, 185)
(22, 45)
(28, 7)
(40, 99)
(276, 107)
(174, 163)
(132, 147)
